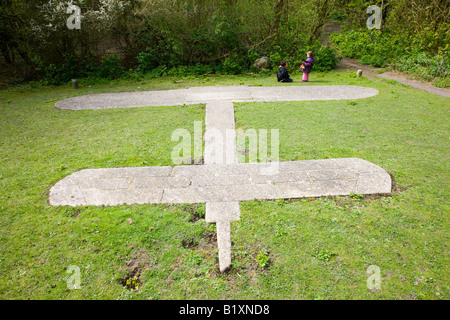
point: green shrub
(146, 61)
(157, 72)
(54, 74)
(371, 47)
(326, 58)
(442, 83)
(196, 70)
(275, 56)
(232, 65)
(400, 52)
(111, 68)
(423, 65)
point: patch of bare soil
(194, 212)
(139, 262)
(189, 242)
(208, 241)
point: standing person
(283, 74)
(307, 65)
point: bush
(425, 66)
(395, 51)
(232, 65)
(183, 71)
(111, 68)
(73, 68)
(371, 47)
(326, 58)
(146, 62)
(58, 74)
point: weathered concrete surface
(222, 214)
(197, 95)
(220, 135)
(220, 148)
(221, 182)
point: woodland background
(135, 38)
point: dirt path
(370, 72)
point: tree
(13, 30)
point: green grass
(283, 249)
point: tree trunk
(322, 10)
(5, 53)
(278, 12)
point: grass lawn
(285, 249)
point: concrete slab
(222, 211)
(221, 182)
(220, 135)
(209, 94)
(306, 93)
(217, 183)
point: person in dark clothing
(283, 74)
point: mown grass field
(283, 249)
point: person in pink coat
(307, 65)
